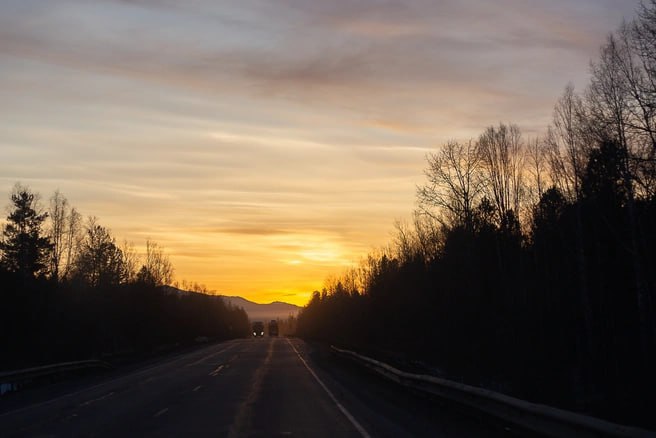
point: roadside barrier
(533, 417)
(14, 380)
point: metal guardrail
(537, 418)
(14, 380)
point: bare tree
(608, 102)
(567, 143)
(501, 151)
(430, 237)
(623, 97)
(351, 281)
(455, 184)
(643, 38)
(130, 262)
(72, 241)
(405, 242)
(57, 214)
(157, 269)
(638, 87)
(65, 235)
(536, 165)
(640, 40)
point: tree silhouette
(100, 261)
(25, 248)
(455, 183)
(502, 155)
(157, 269)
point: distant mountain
(255, 311)
(263, 312)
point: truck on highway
(258, 329)
(273, 328)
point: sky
(267, 145)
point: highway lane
(250, 387)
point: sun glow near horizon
(281, 267)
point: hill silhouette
(263, 312)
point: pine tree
(24, 248)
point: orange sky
(267, 145)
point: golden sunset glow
(267, 145)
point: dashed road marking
(216, 371)
(162, 412)
(70, 417)
(197, 388)
(88, 402)
(203, 359)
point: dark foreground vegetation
(70, 292)
(530, 267)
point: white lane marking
(216, 371)
(198, 387)
(99, 385)
(86, 403)
(346, 413)
(163, 411)
(70, 417)
(203, 359)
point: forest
(530, 264)
(70, 291)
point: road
(264, 387)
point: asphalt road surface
(266, 387)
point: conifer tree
(24, 247)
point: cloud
(427, 43)
(252, 231)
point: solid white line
(216, 371)
(346, 413)
(163, 411)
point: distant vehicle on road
(258, 329)
(273, 328)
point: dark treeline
(530, 267)
(70, 291)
